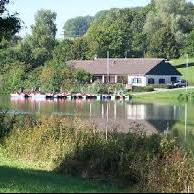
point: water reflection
(125, 116)
(177, 120)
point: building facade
(134, 72)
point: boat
(19, 95)
(50, 95)
(37, 96)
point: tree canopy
(77, 27)
(164, 29)
(9, 24)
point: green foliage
(113, 31)
(171, 171)
(64, 52)
(190, 44)
(163, 44)
(9, 24)
(55, 77)
(71, 147)
(163, 86)
(173, 14)
(13, 78)
(81, 50)
(77, 49)
(42, 40)
(77, 27)
(143, 89)
(156, 30)
(186, 97)
(82, 77)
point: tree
(190, 44)
(8, 52)
(80, 49)
(55, 77)
(64, 52)
(42, 41)
(163, 44)
(77, 27)
(139, 39)
(111, 32)
(174, 14)
(77, 49)
(9, 24)
(82, 77)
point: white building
(135, 72)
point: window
(151, 81)
(162, 81)
(137, 81)
(173, 79)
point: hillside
(180, 64)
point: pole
(107, 119)
(186, 121)
(108, 71)
(187, 65)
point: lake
(121, 115)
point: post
(102, 111)
(90, 110)
(128, 80)
(108, 70)
(116, 79)
(187, 65)
(186, 112)
(115, 110)
(103, 79)
(107, 119)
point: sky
(66, 9)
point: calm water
(126, 116)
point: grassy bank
(65, 147)
(18, 177)
(171, 96)
(180, 64)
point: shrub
(143, 89)
(171, 171)
(186, 97)
(162, 86)
(100, 88)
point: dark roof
(164, 68)
(124, 66)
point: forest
(163, 29)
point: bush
(162, 86)
(171, 171)
(143, 89)
(186, 97)
(99, 88)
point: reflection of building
(150, 118)
(136, 111)
(152, 112)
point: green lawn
(16, 177)
(181, 61)
(170, 96)
(181, 66)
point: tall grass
(71, 147)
